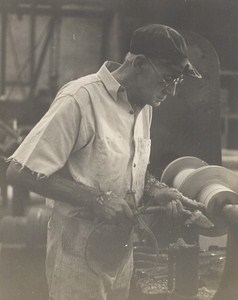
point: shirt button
(134, 165)
(131, 112)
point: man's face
(159, 81)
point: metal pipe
(227, 288)
(55, 55)
(3, 51)
(187, 264)
(230, 214)
(76, 11)
(32, 41)
(41, 58)
(9, 130)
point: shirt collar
(111, 84)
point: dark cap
(165, 44)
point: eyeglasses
(170, 79)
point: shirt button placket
(134, 172)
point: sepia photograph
(118, 149)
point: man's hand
(177, 207)
(112, 209)
(163, 196)
(171, 206)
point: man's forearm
(55, 187)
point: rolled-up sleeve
(49, 144)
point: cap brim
(189, 70)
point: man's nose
(171, 89)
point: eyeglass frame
(167, 83)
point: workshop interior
(47, 43)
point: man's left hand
(178, 208)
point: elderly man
(89, 154)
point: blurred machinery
(9, 141)
(216, 187)
(180, 268)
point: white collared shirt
(92, 128)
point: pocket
(143, 152)
(69, 244)
(141, 160)
(108, 247)
(71, 238)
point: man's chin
(157, 103)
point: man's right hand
(112, 209)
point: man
(89, 153)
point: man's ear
(139, 63)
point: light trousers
(87, 260)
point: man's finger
(154, 209)
(186, 214)
(180, 208)
(199, 219)
(191, 204)
(187, 202)
(172, 210)
(175, 210)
